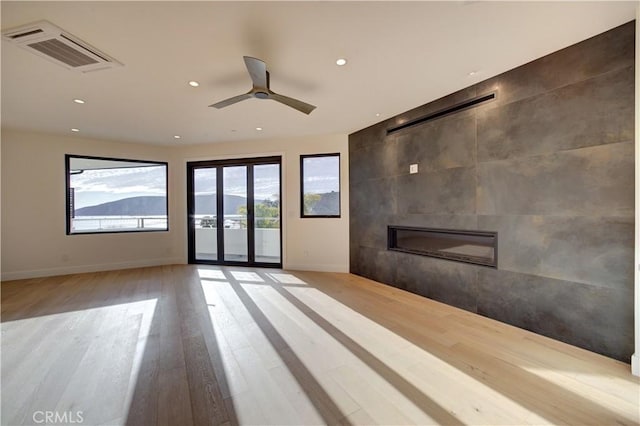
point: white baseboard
(318, 268)
(66, 270)
(635, 364)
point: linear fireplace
(477, 247)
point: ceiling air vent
(46, 40)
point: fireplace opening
(477, 247)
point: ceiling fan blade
(231, 101)
(293, 103)
(258, 71)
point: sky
(321, 174)
(94, 187)
(265, 178)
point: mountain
(328, 204)
(133, 206)
(206, 204)
(156, 206)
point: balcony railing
(236, 221)
(267, 232)
(111, 223)
(266, 242)
(118, 223)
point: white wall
(34, 242)
(309, 244)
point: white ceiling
(401, 55)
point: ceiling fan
(260, 90)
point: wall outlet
(413, 168)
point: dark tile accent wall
(549, 165)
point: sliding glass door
(235, 203)
(234, 212)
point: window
(115, 195)
(320, 185)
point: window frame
(312, 216)
(250, 162)
(68, 218)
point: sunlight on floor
(214, 274)
(246, 276)
(410, 362)
(366, 365)
(285, 278)
(92, 354)
(618, 391)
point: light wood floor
(181, 345)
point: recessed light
(472, 73)
(194, 83)
(340, 62)
(258, 128)
(78, 101)
(75, 130)
(377, 114)
(177, 137)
